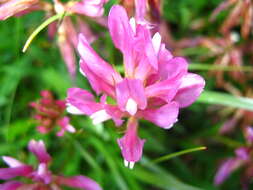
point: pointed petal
(39, 150)
(120, 29)
(11, 185)
(89, 8)
(65, 126)
(171, 68)
(156, 41)
(81, 101)
(131, 145)
(249, 134)
(96, 64)
(130, 88)
(165, 90)
(99, 85)
(164, 116)
(8, 173)
(12, 162)
(226, 168)
(13, 7)
(140, 8)
(100, 116)
(191, 87)
(143, 46)
(115, 113)
(81, 182)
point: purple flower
(49, 113)
(41, 177)
(154, 87)
(242, 158)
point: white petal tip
(99, 117)
(73, 110)
(131, 106)
(71, 129)
(126, 163)
(81, 71)
(131, 165)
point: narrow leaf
(169, 156)
(225, 99)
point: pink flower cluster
(154, 87)
(41, 177)
(49, 113)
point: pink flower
(242, 158)
(155, 85)
(13, 7)
(41, 177)
(92, 8)
(49, 113)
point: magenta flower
(49, 113)
(155, 85)
(41, 177)
(242, 158)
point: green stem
(41, 27)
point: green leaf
(158, 177)
(210, 97)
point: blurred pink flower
(242, 158)
(155, 86)
(12, 7)
(49, 113)
(67, 30)
(41, 177)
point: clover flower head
(49, 113)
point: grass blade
(224, 99)
(172, 155)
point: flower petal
(165, 90)
(8, 173)
(39, 150)
(11, 185)
(226, 168)
(12, 162)
(89, 8)
(164, 116)
(130, 88)
(130, 144)
(81, 182)
(13, 7)
(115, 113)
(120, 29)
(191, 87)
(65, 126)
(96, 64)
(80, 101)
